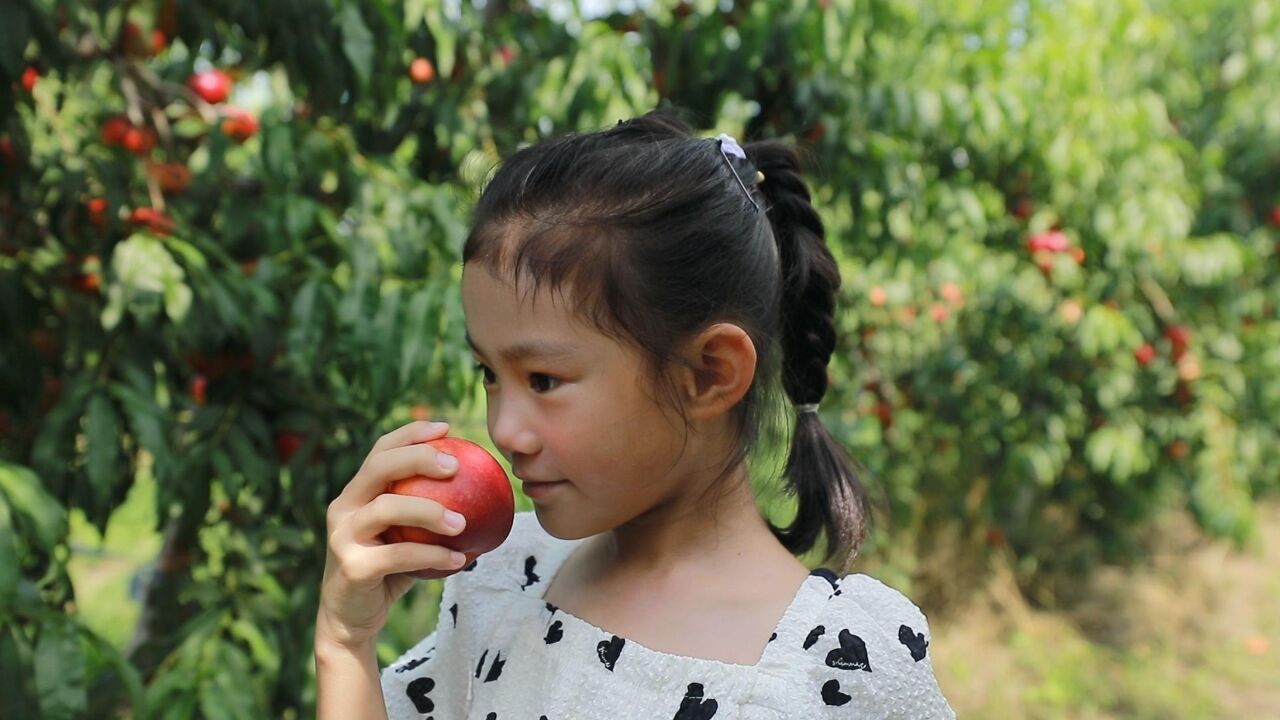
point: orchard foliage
(229, 238)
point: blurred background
(229, 255)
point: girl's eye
(535, 377)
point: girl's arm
(347, 684)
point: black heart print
(416, 661)
(914, 641)
(554, 633)
(609, 650)
(773, 637)
(496, 668)
(851, 655)
(814, 634)
(417, 691)
(530, 576)
(453, 610)
(693, 707)
(552, 608)
(480, 664)
(831, 694)
(491, 716)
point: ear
(723, 360)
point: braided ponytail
(819, 472)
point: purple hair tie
(728, 146)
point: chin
(559, 530)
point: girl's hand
(361, 573)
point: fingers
(414, 432)
(368, 565)
(388, 509)
(396, 463)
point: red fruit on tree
(1179, 449)
(1180, 337)
(158, 41)
(506, 54)
(1077, 254)
(199, 389)
(154, 220)
(422, 71)
(952, 293)
(1145, 354)
(1275, 216)
(213, 86)
(29, 78)
(171, 177)
(114, 130)
(878, 296)
(939, 312)
(139, 141)
(1052, 241)
(85, 283)
(884, 411)
(132, 41)
(479, 490)
(288, 443)
(239, 125)
(816, 133)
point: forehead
(519, 325)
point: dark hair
(647, 227)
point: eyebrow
(539, 350)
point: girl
(633, 298)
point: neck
(686, 539)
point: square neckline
(806, 602)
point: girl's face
(568, 403)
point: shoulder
(865, 595)
(868, 647)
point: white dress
(844, 648)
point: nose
(510, 427)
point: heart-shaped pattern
(416, 661)
(453, 610)
(530, 577)
(814, 634)
(609, 650)
(694, 707)
(851, 655)
(914, 641)
(496, 668)
(831, 694)
(554, 633)
(417, 691)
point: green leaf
(357, 42)
(27, 496)
(60, 672)
(8, 558)
(102, 426)
(16, 698)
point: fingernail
(454, 520)
(448, 462)
(457, 558)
